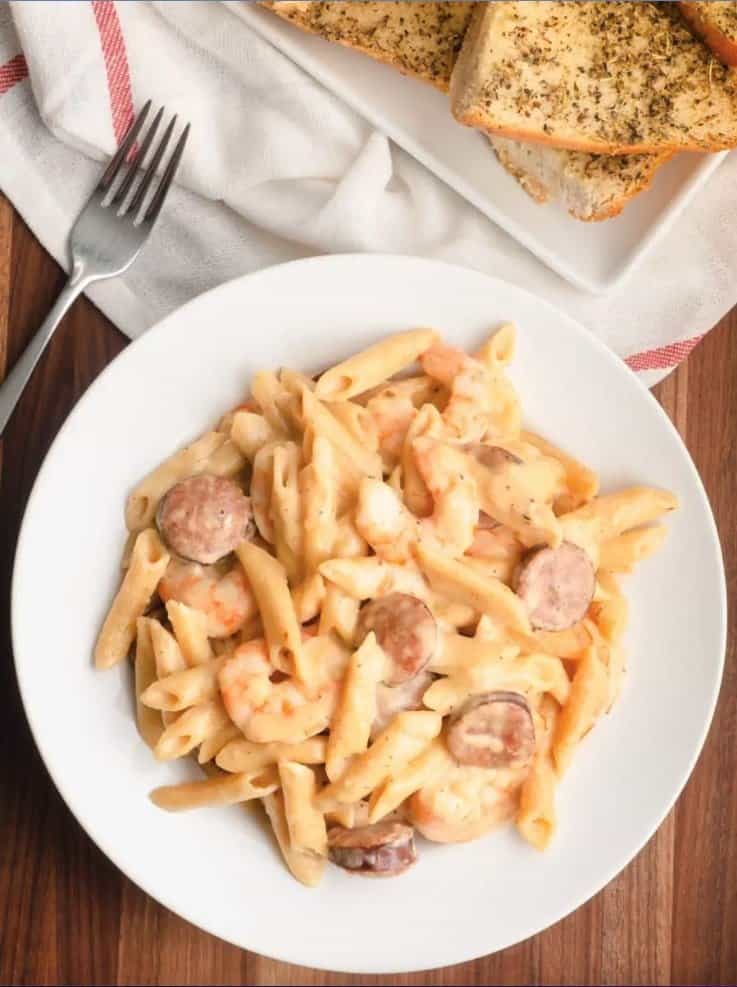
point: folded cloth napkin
(278, 168)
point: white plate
(218, 868)
(592, 256)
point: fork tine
(167, 178)
(150, 174)
(138, 160)
(121, 154)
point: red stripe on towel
(116, 65)
(663, 357)
(12, 72)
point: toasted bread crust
(420, 39)
(703, 22)
(564, 75)
(617, 205)
(591, 187)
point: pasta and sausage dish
(378, 606)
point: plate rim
(64, 790)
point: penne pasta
(184, 689)
(190, 729)
(427, 423)
(149, 722)
(499, 349)
(361, 462)
(623, 552)
(306, 867)
(268, 392)
(356, 710)
(190, 631)
(527, 674)
(570, 643)
(521, 495)
(319, 492)
(306, 824)
(168, 654)
(251, 432)
(309, 598)
(459, 582)
(455, 703)
(432, 763)
(339, 613)
(244, 755)
(610, 612)
(456, 652)
(268, 580)
(262, 485)
(372, 366)
(286, 510)
(226, 460)
(615, 513)
(368, 578)
(216, 791)
(212, 745)
(407, 735)
(358, 421)
(587, 701)
(536, 816)
(582, 484)
(148, 563)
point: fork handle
(14, 384)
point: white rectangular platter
(592, 256)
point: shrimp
(482, 402)
(262, 482)
(392, 413)
(271, 708)
(465, 803)
(221, 592)
(390, 527)
(455, 513)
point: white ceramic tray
(592, 256)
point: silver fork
(107, 236)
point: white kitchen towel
(278, 168)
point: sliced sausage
(493, 457)
(382, 850)
(493, 731)
(405, 629)
(204, 518)
(393, 699)
(557, 586)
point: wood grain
(66, 914)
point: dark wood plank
(705, 912)
(59, 896)
(66, 914)
(6, 243)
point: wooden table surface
(68, 917)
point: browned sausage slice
(405, 629)
(557, 586)
(204, 517)
(493, 731)
(382, 850)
